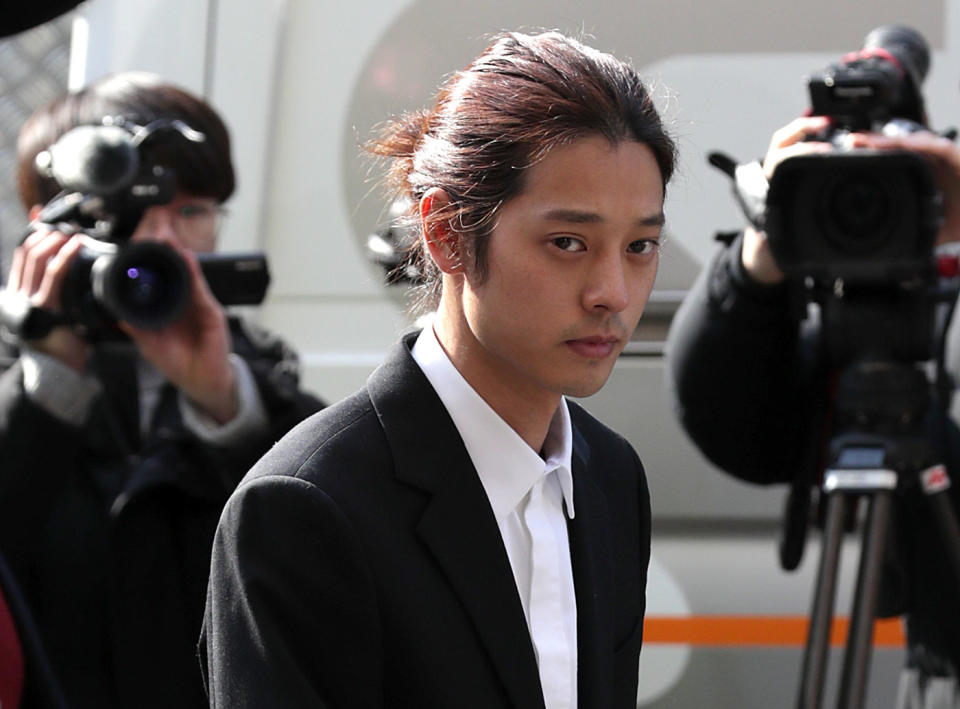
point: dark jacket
(360, 565)
(747, 384)
(109, 536)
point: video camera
(107, 186)
(856, 228)
(854, 231)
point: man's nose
(607, 287)
(157, 224)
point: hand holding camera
(192, 351)
(40, 265)
(129, 267)
(789, 141)
(794, 139)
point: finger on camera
(923, 142)
(18, 261)
(797, 130)
(36, 259)
(48, 295)
(778, 156)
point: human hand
(193, 352)
(944, 157)
(37, 272)
(786, 142)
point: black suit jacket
(359, 564)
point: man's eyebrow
(576, 216)
(658, 219)
(573, 216)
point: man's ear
(35, 211)
(441, 242)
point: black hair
(202, 169)
(521, 98)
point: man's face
(190, 221)
(572, 260)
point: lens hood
(146, 284)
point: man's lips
(594, 347)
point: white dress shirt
(509, 469)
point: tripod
(882, 447)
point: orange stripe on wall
(777, 630)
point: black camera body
(107, 188)
(147, 285)
(854, 229)
(864, 216)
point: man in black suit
(457, 534)
(117, 454)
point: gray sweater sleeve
(57, 388)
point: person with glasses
(116, 458)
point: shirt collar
(507, 466)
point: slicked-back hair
(522, 97)
(202, 169)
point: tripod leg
(936, 486)
(908, 691)
(821, 617)
(940, 693)
(860, 638)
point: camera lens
(142, 287)
(906, 44)
(858, 207)
(145, 284)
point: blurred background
(301, 83)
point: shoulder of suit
(343, 434)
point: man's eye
(643, 246)
(192, 211)
(568, 243)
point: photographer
(747, 382)
(118, 457)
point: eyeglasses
(196, 219)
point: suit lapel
(458, 526)
(590, 539)
(477, 567)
